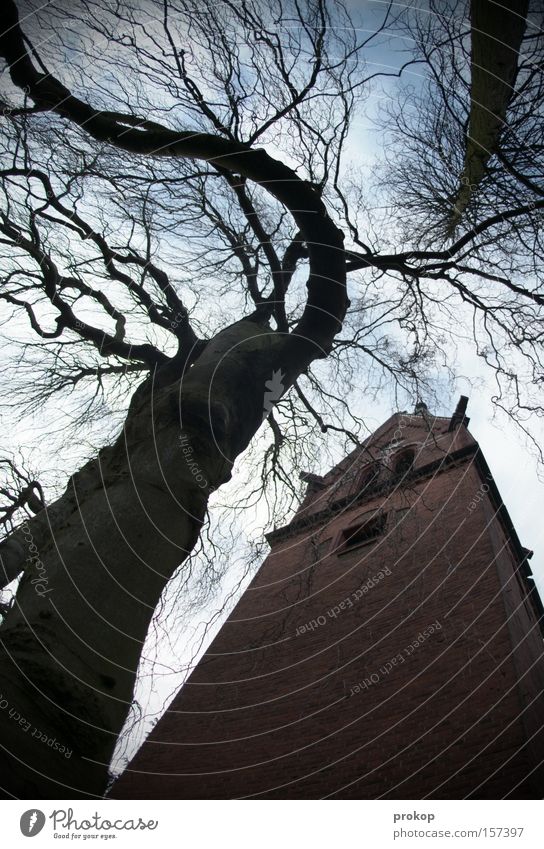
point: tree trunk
(99, 558)
(497, 33)
(70, 649)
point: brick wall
(409, 667)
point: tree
(155, 157)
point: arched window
(404, 462)
(368, 476)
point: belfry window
(404, 462)
(363, 533)
(368, 477)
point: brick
(279, 721)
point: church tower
(390, 646)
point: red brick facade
(389, 646)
